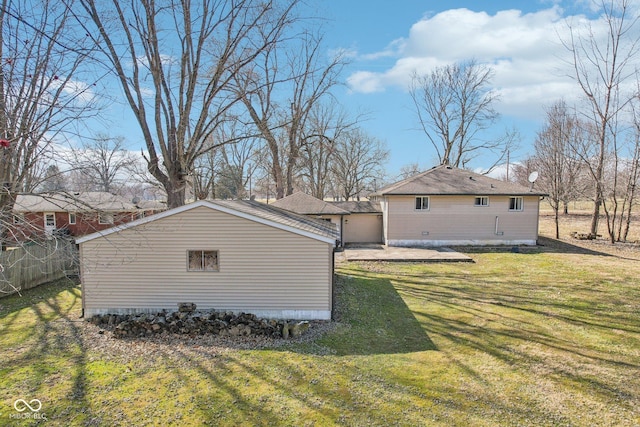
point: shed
(240, 256)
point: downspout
(331, 280)
(498, 233)
(81, 275)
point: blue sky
(387, 40)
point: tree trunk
(276, 172)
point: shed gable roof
(251, 210)
(305, 204)
(446, 180)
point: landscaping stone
(195, 322)
(186, 307)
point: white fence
(36, 263)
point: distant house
(450, 206)
(304, 204)
(74, 213)
(229, 255)
(357, 221)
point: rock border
(189, 321)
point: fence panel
(36, 263)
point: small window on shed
(202, 260)
(482, 201)
(422, 203)
(515, 203)
(72, 218)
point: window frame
(516, 204)
(52, 215)
(73, 218)
(481, 199)
(203, 268)
(422, 199)
(110, 220)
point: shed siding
(261, 268)
(456, 219)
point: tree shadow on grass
(45, 344)
(372, 319)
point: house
(357, 221)
(304, 204)
(74, 213)
(231, 255)
(450, 206)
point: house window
(515, 203)
(202, 260)
(18, 218)
(50, 220)
(105, 218)
(482, 201)
(422, 203)
(72, 218)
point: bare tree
(603, 61)
(359, 164)
(632, 171)
(53, 180)
(44, 90)
(174, 61)
(103, 163)
(327, 124)
(454, 105)
(237, 167)
(621, 178)
(409, 170)
(555, 158)
(227, 166)
(279, 93)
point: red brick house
(75, 214)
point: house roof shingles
(305, 204)
(73, 202)
(361, 206)
(446, 180)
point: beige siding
(456, 219)
(262, 269)
(363, 228)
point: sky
(387, 41)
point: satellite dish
(533, 176)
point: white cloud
(524, 49)
(164, 60)
(81, 91)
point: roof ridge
(409, 179)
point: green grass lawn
(541, 338)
